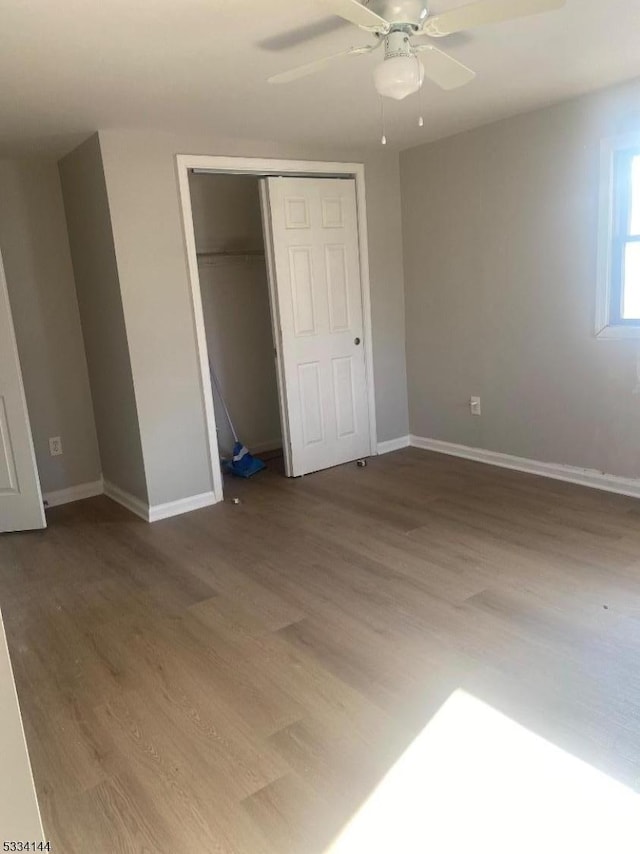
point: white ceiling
(70, 66)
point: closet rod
(221, 253)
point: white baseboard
(585, 477)
(140, 508)
(182, 505)
(393, 444)
(135, 505)
(73, 493)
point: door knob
(356, 341)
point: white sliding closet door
(20, 499)
(311, 237)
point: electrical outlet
(474, 406)
(55, 446)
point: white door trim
(261, 167)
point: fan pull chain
(383, 138)
(421, 89)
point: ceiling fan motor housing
(410, 13)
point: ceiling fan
(394, 23)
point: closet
(235, 301)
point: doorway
(319, 276)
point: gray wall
(235, 303)
(499, 228)
(226, 211)
(103, 324)
(141, 181)
(35, 248)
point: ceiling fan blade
(486, 12)
(443, 69)
(317, 65)
(299, 35)
(358, 14)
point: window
(625, 267)
(618, 307)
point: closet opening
(234, 290)
(278, 267)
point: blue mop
(242, 463)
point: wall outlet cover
(55, 446)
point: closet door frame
(263, 168)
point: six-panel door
(315, 278)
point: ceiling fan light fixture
(398, 76)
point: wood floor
(238, 679)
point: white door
(19, 814)
(311, 234)
(20, 499)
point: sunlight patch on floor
(476, 781)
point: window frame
(614, 211)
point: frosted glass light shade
(398, 77)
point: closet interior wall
(235, 300)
